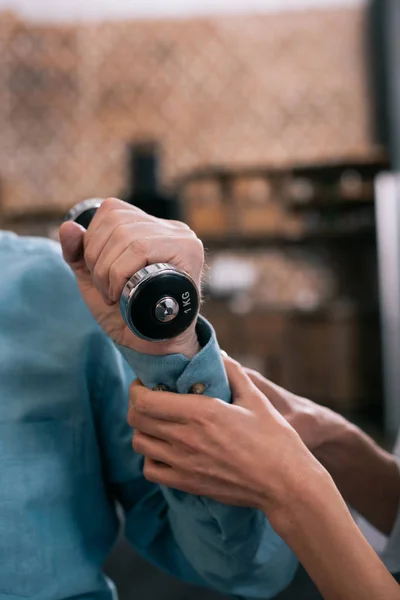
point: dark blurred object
(136, 578)
(384, 56)
(293, 275)
(144, 189)
(331, 356)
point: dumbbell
(159, 302)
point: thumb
(241, 384)
(246, 394)
(71, 239)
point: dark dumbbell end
(84, 212)
(162, 305)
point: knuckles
(139, 397)
(110, 204)
(116, 281)
(90, 257)
(133, 418)
(205, 413)
(194, 249)
(199, 247)
(136, 442)
(139, 247)
(149, 473)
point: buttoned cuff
(205, 373)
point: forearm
(233, 549)
(187, 344)
(320, 530)
(367, 476)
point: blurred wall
(43, 9)
(276, 89)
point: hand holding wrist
(336, 435)
(314, 423)
(367, 476)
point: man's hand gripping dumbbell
(108, 247)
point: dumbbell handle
(159, 302)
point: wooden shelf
(259, 241)
(328, 204)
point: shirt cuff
(177, 373)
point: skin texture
(247, 454)
(366, 475)
(187, 442)
(315, 424)
(325, 538)
(120, 241)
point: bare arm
(247, 454)
(367, 476)
(322, 533)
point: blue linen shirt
(66, 457)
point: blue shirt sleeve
(178, 373)
(66, 451)
(147, 516)
(234, 549)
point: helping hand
(315, 424)
(242, 454)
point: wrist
(187, 344)
(337, 439)
(305, 496)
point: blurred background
(272, 127)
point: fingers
(238, 380)
(145, 245)
(124, 253)
(260, 381)
(240, 377)
(117, 267)
(173, 478)
(155, 449)
(179, 409)
(162, 474)
(156, 428)
(120, 234)
(279, 397)
(122, 239)
(110, 214)
(136, 383)
(166, 406)
(143, 424)
(246, 389)
(72, 243)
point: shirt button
(160, 387)
(197, 388)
